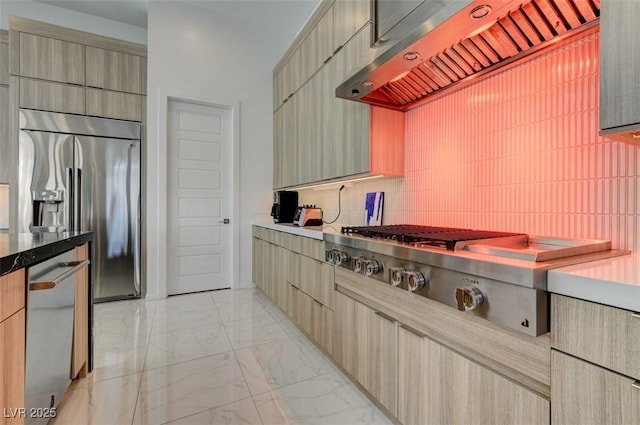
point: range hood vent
(408, 73)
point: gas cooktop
(498, 276)
(444, 237)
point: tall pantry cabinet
(57, 69)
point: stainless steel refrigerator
(83, 173)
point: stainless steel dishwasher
(50, 307)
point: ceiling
(283, 16)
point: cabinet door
(305, 313)
(349, 120)
(80, 354)
(50, 59)
(12, 344)
(4, 64)
(290, 143)
(380, 357)
(619, 63)
(48, 96)
(349, 17)
(112, 104)
(280, 284)
(12, 349)
(114, 70)
(582, 393)
(438, 385)
(345, 333)
(278, 150)
(5, 148)
(314, 279)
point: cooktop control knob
(340, 257)
(396, 275)
(415, 281)
(357, 264)
(468, 298)
(329, 256)
(372, 267)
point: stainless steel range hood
(459, 41)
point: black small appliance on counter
(284, 206)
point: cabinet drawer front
(4, 63)
(47, 96)
(111, 104)
(604, 335)
(114, 70)
(582, 393)
(12, 290)
(50, 59)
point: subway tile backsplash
(518, 151)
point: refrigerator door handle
(78, 209)
(71, 207)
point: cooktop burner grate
(443, 237)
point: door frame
(157, 171)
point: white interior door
(200, 159)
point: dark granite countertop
(18, 250)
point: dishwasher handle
(76, 266)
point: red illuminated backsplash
(516, 152)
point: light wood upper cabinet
(50, 59)
(113, 104)
(439, 386)
(115, 71)
(348, 18)
(4, 57)
(5, 148)
(619, 63)
(582, 393)
(50, 96)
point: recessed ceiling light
(411, 56)
(367, 83)
(480, 12)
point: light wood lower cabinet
(607, 336)
(80, 350)
(300, 285)
(585, 394)
(12, 344)
(439, 386)
(55, 97)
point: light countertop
(614, 282)
(314, 232)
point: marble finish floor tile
(273, 365)
(188, 344)
(112, 401)
(236, 294)
(184, 389)
(174, 320)
(186, 302)
(256, 334)
(241, 412)
(327, 399)
(219, 357)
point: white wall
(70, 19)
(212, 59)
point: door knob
(225, 221)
